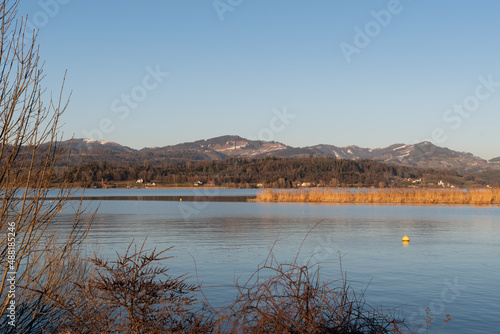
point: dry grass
(386, 196)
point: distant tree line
(270, 172)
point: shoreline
(361, 196)
(152, 188)
(286, 189)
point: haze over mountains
(424, 154)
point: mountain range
(424, 154)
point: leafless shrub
(289, 298)
(132, 294)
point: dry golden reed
(385, 196)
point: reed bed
(385, 196)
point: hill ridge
(423, 154)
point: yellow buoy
(406, 239)
(180, 199)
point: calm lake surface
(451, 265)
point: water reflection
(228, 240)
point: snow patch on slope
(102, 142)
(400, 147)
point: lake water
(451, 265)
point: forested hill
(272, 172)
(421, 155)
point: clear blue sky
(347, 78)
